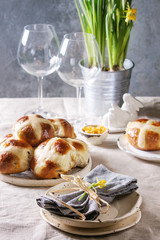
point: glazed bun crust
(62, 128)
(144, 134)
(35, 129)
(57, 155)
(15, 155)
(82, 154)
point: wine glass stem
(79, 99)
(40, 92)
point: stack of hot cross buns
(46, 146)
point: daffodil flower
(130, 14)
(99, 184)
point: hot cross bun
(58, 155)
(15, 155)
(35, 129)
(144, 134)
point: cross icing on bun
(144, 134)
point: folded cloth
(116, 184)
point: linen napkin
(116, 184)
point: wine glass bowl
(37, 55)
(79, 62)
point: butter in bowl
(94, 134)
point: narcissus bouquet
(111, 22)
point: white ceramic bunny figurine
(119, 117)
(131, 105)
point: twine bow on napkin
(88, 206)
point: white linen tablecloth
(19, 215)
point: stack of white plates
(123, 213)
(152, 156)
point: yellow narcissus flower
(130, 14)
(100, 184)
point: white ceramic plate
(121, 208)
(123, 144)
(28, 179)
(119, 226)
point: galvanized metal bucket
(107, 89)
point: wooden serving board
(27, 179)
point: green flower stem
(92, 185)
(109, 36)
(103, 31)
(83, 29)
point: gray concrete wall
(144, 47)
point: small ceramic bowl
(94, 134)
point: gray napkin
(116, 184)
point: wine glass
(37, 55)
(79, 63)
